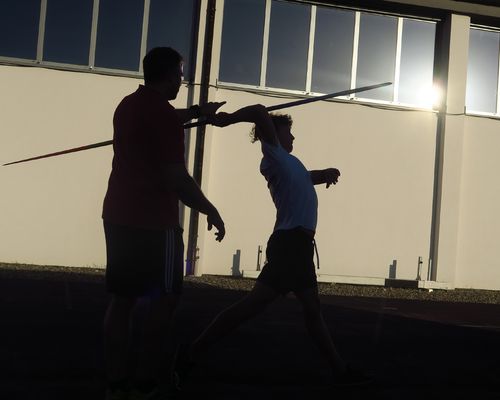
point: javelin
(203, 122)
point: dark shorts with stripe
(143, 262)
(290, 264)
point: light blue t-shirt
(291, 189)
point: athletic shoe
(117, 394)
(351, 377)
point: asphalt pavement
(51, 345)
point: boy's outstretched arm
(328, 176)
(256, 114)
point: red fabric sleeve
(167, 135)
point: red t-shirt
(147, 135)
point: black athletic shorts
(143, 262)
(290, 265)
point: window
(482, 72)
(333, 43)
(67, 31)
(241, 48)
(19, 21)
(323, 49)
(171, 24)
(377, 54)
(288, 45)
(417, 63)
(119, 33)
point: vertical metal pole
(191, 58)
(144, 35)
(259, 253)
(192, 248)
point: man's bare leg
(116, 337)
(156, 331)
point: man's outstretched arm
(179, 181)
(196, 111)
(329, 176)
(256, 114)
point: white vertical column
(93, 34)
(310, 53)
(397, 67)
(498, 87)
(443, 259)
(355, 46)
(265, 44)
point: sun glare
(429, 96)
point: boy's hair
(278, 120)
(159, 63)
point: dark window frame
(90, 67)
(496, 113)
(308, 92)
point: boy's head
(162, 67)
(282, 125)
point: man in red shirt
(141, 221)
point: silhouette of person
(144, 242)
(290, 249)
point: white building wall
(478, 263)
(50, 210)
(380, 210)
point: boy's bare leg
(318, 330)
(251, 305)
(116, 337)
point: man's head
(282, 125)
(162, 67)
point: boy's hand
(331, 175)
(221, 119)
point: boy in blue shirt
(290, 249)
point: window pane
(417, 63)
(119, 33)
(67, 31)
(171, 25)
(288, 45)
(482, 73)
(376, 54)
(332, 50)
(19, 22)
(241, 48)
